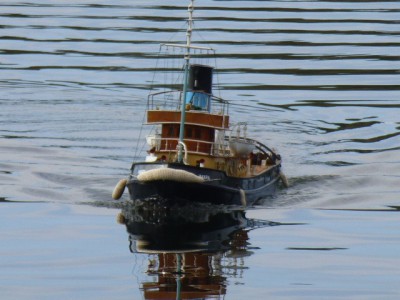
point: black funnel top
(200, 78)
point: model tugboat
(197, 154)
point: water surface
(318, 80)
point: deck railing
(171, 100)
(193, 146)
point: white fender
(285, 181)
(119, 189)
(169, 174)
(243, 197)
(121, 219)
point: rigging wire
(175, 72)
(144, 115)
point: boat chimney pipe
(200, 78)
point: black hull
(219, 189)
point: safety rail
(221, 149)
(172, 100)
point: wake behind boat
(196, 153)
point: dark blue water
(319, 80)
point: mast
(186, 79)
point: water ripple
(319, 78)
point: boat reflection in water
(191, 249)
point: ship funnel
(200, 78)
